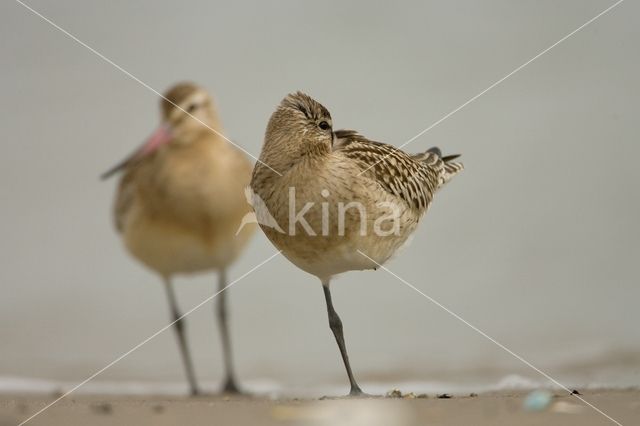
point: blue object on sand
(537, 400)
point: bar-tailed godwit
(341, 201)
(180, 201)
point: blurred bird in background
(179, 203)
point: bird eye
(324, 125)
(191, 108)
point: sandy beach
(504, 408)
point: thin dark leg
(182, 339)
(230, 385)
(336, 326)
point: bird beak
(161, 136)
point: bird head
(300, 127)
(187, 110)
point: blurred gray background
(536, 243)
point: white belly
(169, 250)
(353, 254)
(172, 249)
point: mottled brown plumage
(412, 178)
(350, 168)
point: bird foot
(355, 393)
(231, 388)
(195, 392)
(358, 393)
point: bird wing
(124, 198)
(414, 179)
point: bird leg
(335, 323)
(182, 339)
(230, 385)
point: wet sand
(504, 408)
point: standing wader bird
(341, 201)
(180, 201)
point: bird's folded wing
(413, 179)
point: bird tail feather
(451, 168)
